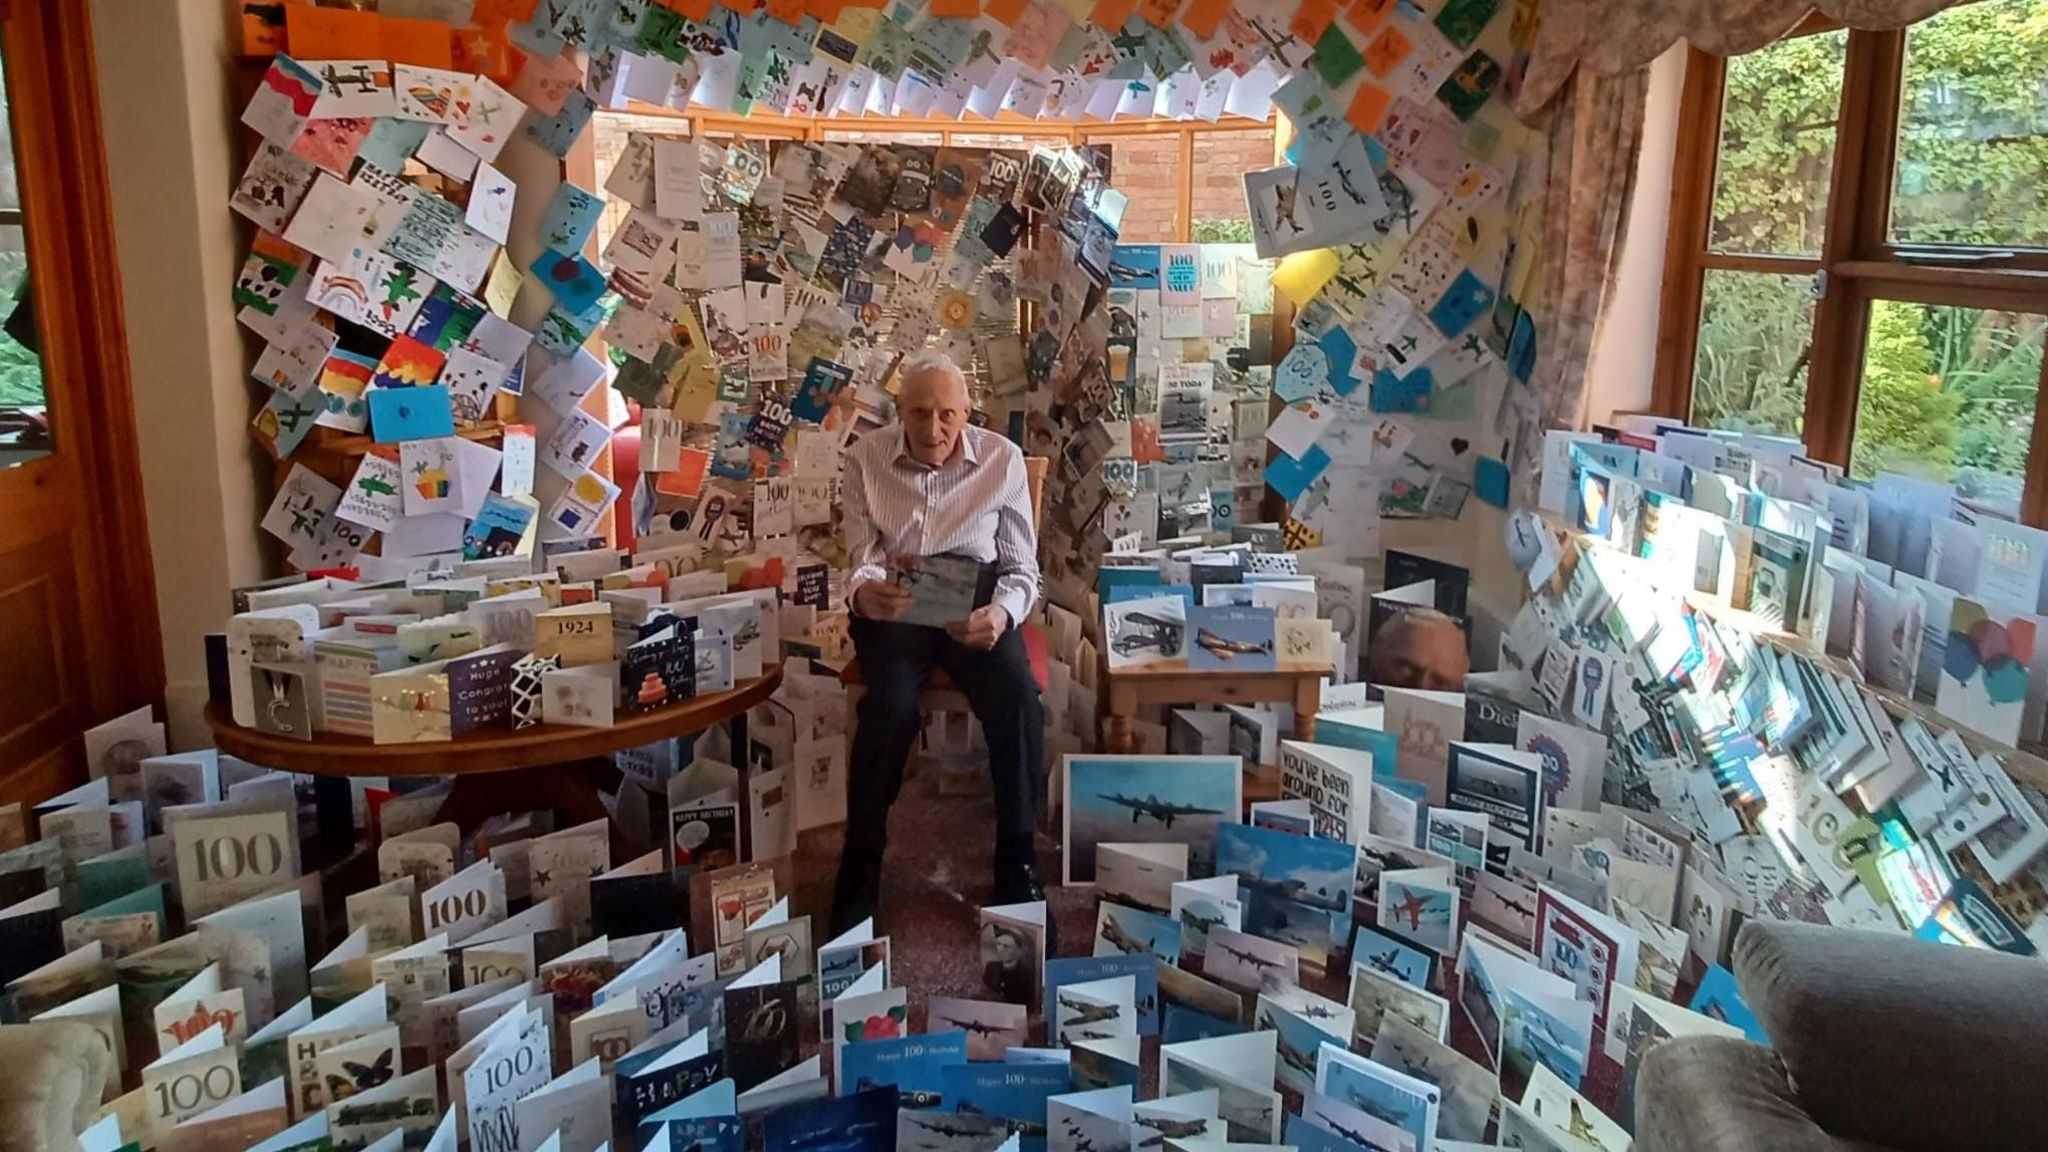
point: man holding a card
(944, 556)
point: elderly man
(935, 485)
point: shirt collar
(966, 449)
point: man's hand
(982, 628)
(880, 600)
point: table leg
(1308, 700)
(1118, 734)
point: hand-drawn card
(424, 229)
(354, 88)
(545, 82)
(558, 133)
(431, 94)
(575, 445)
(285, 419)
(488, 120)
(373, 290)
(407, 363)
(491, 195)
(575, 282)
(373, 497)
(432, 474)
(272, 187)
(472, 379)
(293, 365)
(301, 507)
(333, 144)
(343, 380)
(580, 505)
(283, 102)
(571, 218)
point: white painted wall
(167, 117)
(1619, 372)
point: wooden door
(78, 633)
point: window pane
(1973, 128)
(1217, 203)
(24, 422)
(1948, 393)
(1147, 169)
(1778, 146)
(1749, 373)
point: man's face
(1426, 652)
(933, 406)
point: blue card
(1307, 869)
(422, 413)
(823, 381)
(1391, 957)
(1341, 351)
(391, 142)
(1492, 482)
(1303, 370)
(1522, 348)
(914, 1065)
(1134, 266)
(1185, 1023)
(1062, 971)
(1231, 639)
(1334, 729)
(1291, 477)
(571, 217)
(498, 528)
(558, 133)
(576, 282)
(862, 1122)
(1392, 393)
(1718, 998)
(1014, 1092)
(1111, 577)
(1467, 299)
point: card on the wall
(302, 506)
(400, 414)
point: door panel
(78, 634)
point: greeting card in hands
(943, 589)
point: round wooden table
(498, 770)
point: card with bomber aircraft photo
(1147, 799)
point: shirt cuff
(860, 576)
(1015, 601)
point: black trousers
(895, 660)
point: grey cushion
(1924, 1047)
(1715, 1094)
(51, 1090)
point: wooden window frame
(1075, 134)
(1857, 260)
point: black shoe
(1021, 885)
(855, 898)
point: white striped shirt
(977, 504)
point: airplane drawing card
(1250, 963)
(1408, 1102)
(1201, 906)
(1122, 931)
(1146, 799)
(1385, 953)
(1094, 1010)
(992, 1027)
(1305, 1022)
(1503, 784)
(1240, 1069)
(1420, 905)
(1146, 631)
(1279, 865)
(1231, 639)
(1140, 875)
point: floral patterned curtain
(1595, 130)
(1617, 37)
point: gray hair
(928, 361)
